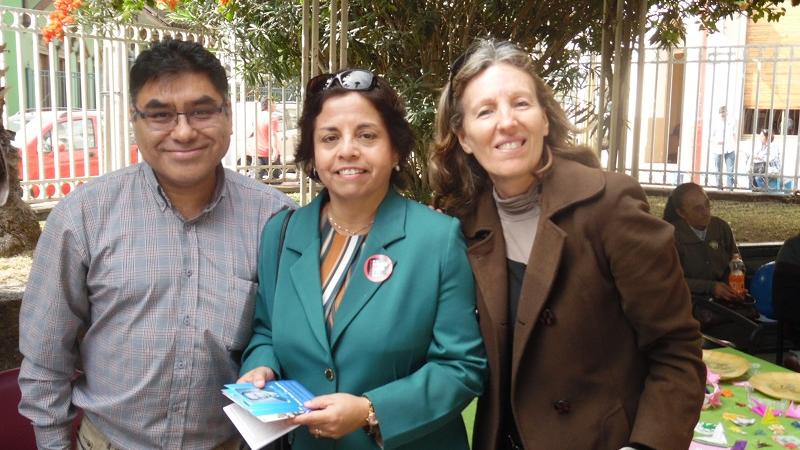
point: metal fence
(675, 132)
(74, 127)
(71, 128)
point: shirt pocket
(238, 314)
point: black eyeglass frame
(189, 114)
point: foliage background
(412, 42)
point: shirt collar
(162, 199)
(701, 234)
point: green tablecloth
(758, 435)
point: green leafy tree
(412, 42)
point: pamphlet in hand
(260, 414)
(277, 400)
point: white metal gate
(68, 103)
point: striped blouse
(338, 256)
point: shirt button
(181, 364)
(187, 227)
(562, 406)
(188, 273)
(187, 321)
(329, 374)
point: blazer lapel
(304, 238)
(558, 194)
(542, 268)
(487, 255)
(389, 226)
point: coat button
(547, 317)
(477, 315)
(561, 406)
(329, 374)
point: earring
(397, 168)
(314, 172)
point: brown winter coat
(605, 349)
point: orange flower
(60, 17)
(171, 4)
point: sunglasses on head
(351, 80)
(458, 64)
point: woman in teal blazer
(400, 355)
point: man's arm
(55, 310)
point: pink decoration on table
(764, 411)
(713, 399)
(758, 407)
(792, 411)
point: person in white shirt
(724, 134)
(766, 163)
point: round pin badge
(378, 268)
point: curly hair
(390, 107)
(455, 176)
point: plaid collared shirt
(154, 310)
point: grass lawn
(756, 220)
(469, 419)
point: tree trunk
(19, 229)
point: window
(77, 136)
(772, 119)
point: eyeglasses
(166, 120)
(351, 80)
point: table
(758, 435)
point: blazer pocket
(615, 430)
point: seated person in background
(766, 163)
(705, 246)
(786, 295)
(789, 252)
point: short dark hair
(172, 57)
(389, 106)
(675, 200)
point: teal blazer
(410, 343)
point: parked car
(57, 155)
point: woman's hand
(725, 292)
(258, 376)
(334, 415)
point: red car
(55, 162)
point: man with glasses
(144, 279)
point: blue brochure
(277, 400)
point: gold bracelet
(371, 421)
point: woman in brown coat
(582, 304)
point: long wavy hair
(456, 176)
